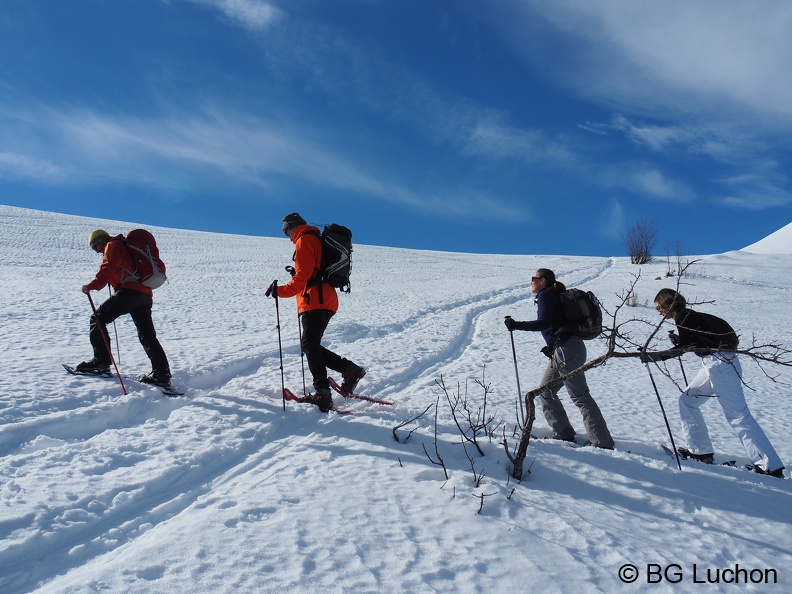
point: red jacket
(117, 268)
(307, 262)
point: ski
(337, 388)
(169, 390)
(292, 397)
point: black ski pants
(314, 324)
(138, 306)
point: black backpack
(336, 257)
(583, 314)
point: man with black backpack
(131, 297)
(317, 302)
(720, 377)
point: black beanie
(292, 220)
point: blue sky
(505, 126)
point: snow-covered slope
(779, 242)
(224, 491)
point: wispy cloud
(216, 148)
(645, 180)
(758, 185)
(345, 70)
(250, 14)
(611, 223)
(714, 58)
(720, 143)
(753, 192)
(16, 166)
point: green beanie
(97, 236)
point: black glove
(291, 270)
(546, 352)
(673, 337)
(510, 324)
(272, 290)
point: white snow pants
(720, 377)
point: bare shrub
(640, 240)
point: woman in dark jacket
(567, 353)
(720, 378)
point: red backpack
(150, 270)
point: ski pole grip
(273, 287)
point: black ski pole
(273, 290)
(106, 338)
(675, 341)
(291, 271)
(662, 409)
(682, 367)
(115, 329)
(517, 375)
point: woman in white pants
(720, 378)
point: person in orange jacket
(317, 302)
(130, 297)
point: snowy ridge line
(64, 537)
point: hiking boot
(705, 458)
(352, 375)
(323, 399)
(157, 378)
(93, 366)
(778, 472)
(570, 439)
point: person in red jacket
(130, 297)
(317, 302)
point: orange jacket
(117, 266)
(307, 262)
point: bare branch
(439, 461)
(407, 422)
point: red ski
(289, 395)
(345, 394)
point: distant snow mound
(779, 242)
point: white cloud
(709, 57)
(17, 166)
(251, 14)
(214, 148)
(655, 184)
(753, 192)
(647, 181)
(612, 220)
